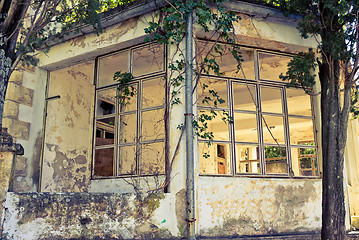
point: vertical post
(189, 128)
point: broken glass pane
(106, 100)
(105, 131)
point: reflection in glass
(304, 161)
(271, 100)
(301, 130)
(276, 159)
(104, 162)
(273, 131)
(148, 59)
(127, 162)
(130, 103)
(153, 93)
(298, 102)
(244, 97)
(271, 66)
(214, 158)
(106, 100)
(153, 158)
(128, 128)
(152, 125)
(245, 127)
(247, 159)
(216, 125)
(105, 131)
(226, 62)
(110, 64)
(212, 92)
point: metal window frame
(138, 80)
(258, 83)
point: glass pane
(271, 100)
(153, 158)
(215, 125)
(129, 103)
(108, 65)
(276, 159)
(301, 130)
(271, 66)
(152, 125)
(212, 92)
(273, 131)
(298, 102)
(247, 159)
(127, 162)
(104, 162)
(153, 92)
(214, 159)
(105, 131)
(148, 59)
(304, 162)
(106, 100)
(226, 62)
(245, 127)
(128, 126)
(244, 97)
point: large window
(129, 137)
(272, 129)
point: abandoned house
(95, 167)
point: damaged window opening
(273, 125)
(129, 137)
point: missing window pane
(247, 159)
(276, 159)
(214, 158)
(304, 161)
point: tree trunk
(333, 140)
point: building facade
(95, 159)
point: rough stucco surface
(242, 206)
(68, 135)
(86, 216)
(5, 171)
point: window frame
(138, 81)
(258, 83)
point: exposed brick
(17, 128)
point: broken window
(272, 127)
(129, 136)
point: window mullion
(286, 132)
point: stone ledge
(12, 147)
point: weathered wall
(86, 216)
(68, 134)
(253, 206)
(6, 159)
